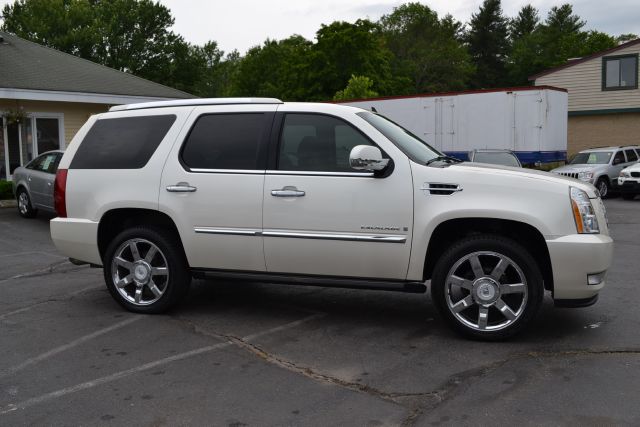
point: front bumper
(628, 185)
(76, 238)
(573, 259)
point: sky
(241, 24)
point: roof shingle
(28, 65)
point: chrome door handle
(288, 192)
(181, 187)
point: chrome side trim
(227, 231)
(311, 173)
(240, 171)
(378, 238)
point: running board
(303, 280)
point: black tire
(25, 207)
(178, 278)
(488, 245)
(604, 187)
(628, 196)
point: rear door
(212, 186)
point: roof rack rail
(195, 102)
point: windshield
(417, 150)
(593, 158)
(497, 158)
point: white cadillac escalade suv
(320, 194)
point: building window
(22, 142)
(620, 72)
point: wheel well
(115, 221)
(20, 187)
(449, 231)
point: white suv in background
(325, 195)
(629, 182)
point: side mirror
(617, 161)
(367, 158)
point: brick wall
(602, 130)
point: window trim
(262, 144)
(276, 139)
(605, 59)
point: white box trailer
(531, 121)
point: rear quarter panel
(92, 192)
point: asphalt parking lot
(250, 354)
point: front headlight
(583, 212)
(585, 176)
(625, 174)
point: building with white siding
(604, 98)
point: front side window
(415, 148)
(619, 158)
(226, 141)
(317, 143)
(620, 72)
(592, 158)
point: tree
(275, 69)
(344, 49)
(428, 53)
(525, 23)
(623, 38)
(359, 87)
(488, 44)
(552, 43)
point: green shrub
(6, 192)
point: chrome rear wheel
(140, 272)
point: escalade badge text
(379, 228)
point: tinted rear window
(226, 141)
(124, 143)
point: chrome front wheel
(486, 291)
(487, 286)
(24, 205)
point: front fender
(541, 203)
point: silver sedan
(33, 184)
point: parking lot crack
(49, 269)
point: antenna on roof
(374, 109)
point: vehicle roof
(491, 150)
(612, 147)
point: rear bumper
(573, 259)
(76, 238)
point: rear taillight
(60, 193)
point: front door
(41, 179)
(323, 218)
(212, 186)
